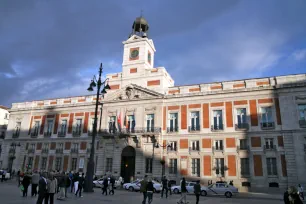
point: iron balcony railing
(218, 149)
(74, 150)
(172, 129)
(59, 151)
(130, 130)
(242, 126)
(247, 148)
(16, 133)
(61, 134)
(171, 149)
(302, 123)
(217, 127)
(34, 133)
(269, 147)
(47, 134)
(194, 149)
(77, 131)
(45, 151)
(267, 125)
(193, 128)
(31, 151)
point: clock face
(134, 54)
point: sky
(51, 49)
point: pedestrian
(18, 177)
(301, 191)
(120, 180)
(26, 182)
(294, 197)
(165, 187)
(62, 186)
(80, 185)
(71, 181)
(169, 187)
(183, 192)
(231, 183)
(150, 190)
(35, 181)
(197, 191)
(42, 189)
(143, 189)
(51, 189)
(112, 185)
(3, 176)
(74, 180)
(286, 197)
(67, 184)
(105, 185)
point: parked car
(135, 186)
(189, 187)
(99, 183)
(219, 189)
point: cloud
(299, 55)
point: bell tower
(138, 54)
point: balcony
(59, 151)
(193, 128)
(61, 134)
(195, 149)
(45, 151)
(34, 134)
(269, 147)
(130, 130)
(218, 149)
(172, 129)
(74, 150)
(47, 134)
(302, 123)
(171, 149)
(267, 125)
(243, 148)
(16, 133)
(242, 126)
(77, 133)
(215, 128)
(31, 151)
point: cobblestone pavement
(10, 194)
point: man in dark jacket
(197, 191)
(42, 189)
(165, 187)
(80, 185)
(143, 189)
(169, 187)
(105, 185)
(112, 185)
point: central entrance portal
(128, 163)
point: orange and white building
(251, 131)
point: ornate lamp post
(12, 154)
(91, 165)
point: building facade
(250, 131)
(4, 118)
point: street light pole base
(89, 177)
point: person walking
(169, 187)
(71, 181)
(42, 189)
(51, 189)
(165, 187)
(105, 185)
(301, 191)
(197, 191)
(67, 184)
(286, 197)
(183, 192)
(80, 185)
(150, 190)
(26, 182)
(62, 186)
(112, 185)
(143, 189)
(35, 181)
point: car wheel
(228, 194)
(203, 193)
(131, 188)
(176, 191)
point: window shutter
(192, 122)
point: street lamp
(12, 154)
(91, 165)
(157, 145)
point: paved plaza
(10, 194)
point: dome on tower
(140, 27)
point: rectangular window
(243, 144)
(195, 167)
(271, 167)
(49, 126)
(149, 162)
(241, 118)
(269, 143)
(173, 166)
(302, 114)
(75, 145)
(173, 122)
(74, 164)
(219, 166)
(6, 116)
(17, 129)
(245, 166)
(218, 120)
(32, 146)
(109, 164)
(266, 117)
(35, 129)
(150, 122)
(219, 145)
(112, 124)
(46, 146)
(78, 126)
(130, 123)
(44, 163)
(172, 146)
(30, 162)
(195, 145)
(63, 127)
(194, 121)
(58, 163)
